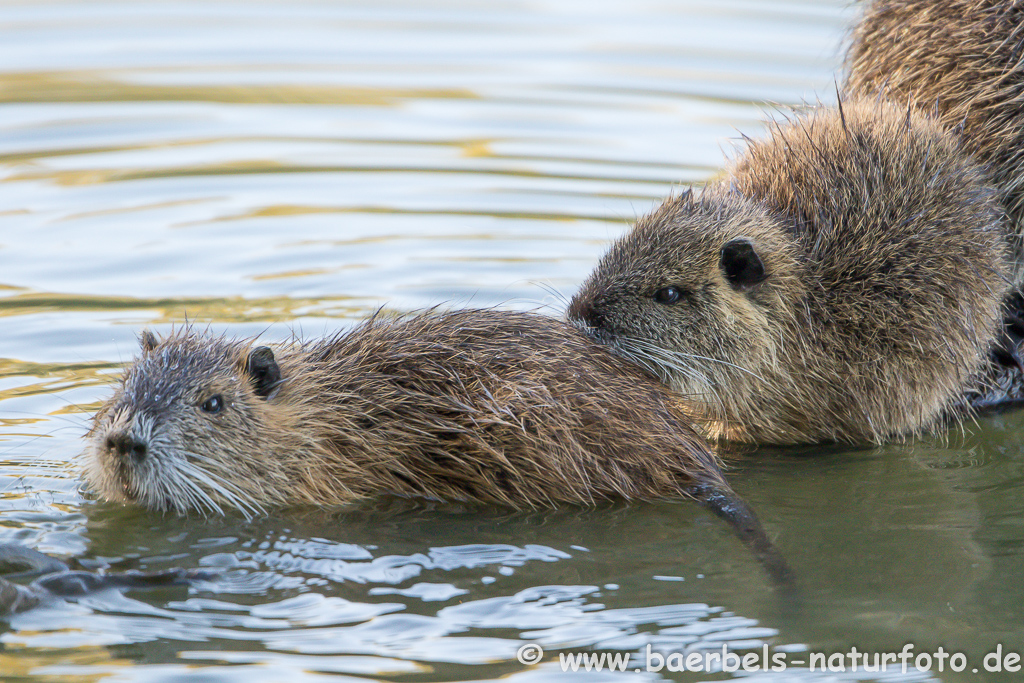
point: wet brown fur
(474, 405)
(884, 257)
(489, 406)
(963, 59)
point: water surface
(264, 168)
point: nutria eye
(668, 295)
(214, 404)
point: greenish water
(278, 166)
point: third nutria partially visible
(473, 405)
(965, 60)
(842, 281)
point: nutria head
(184, 407)
(697, 292)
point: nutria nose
(127, 447)
(584, 311)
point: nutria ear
(263, 370)
(742, 266)
(148, 341)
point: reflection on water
(278, 168)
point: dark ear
(148, 341)
(741, 264)
(263, 370)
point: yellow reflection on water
(297, 210)
(54, 377)
(103, 86)
(93, 176)
(174, 310)
(19, 663)
(477, 148)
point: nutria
(474, 405)
(963, 59)
(841, 282)
(60, 581)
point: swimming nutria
(59, 580)
(842, 282)
(473, 405)
(963, 59)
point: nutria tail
(725, 503)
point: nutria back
(842, 281)
(961, 59)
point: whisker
(694, 356)
(201, 498)
(231, 491)
(667, 361)
(553, 291)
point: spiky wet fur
(885, 254)
(490, 406)
(962, 59)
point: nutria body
(841, 282)
(963, 59)
(475, 405)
